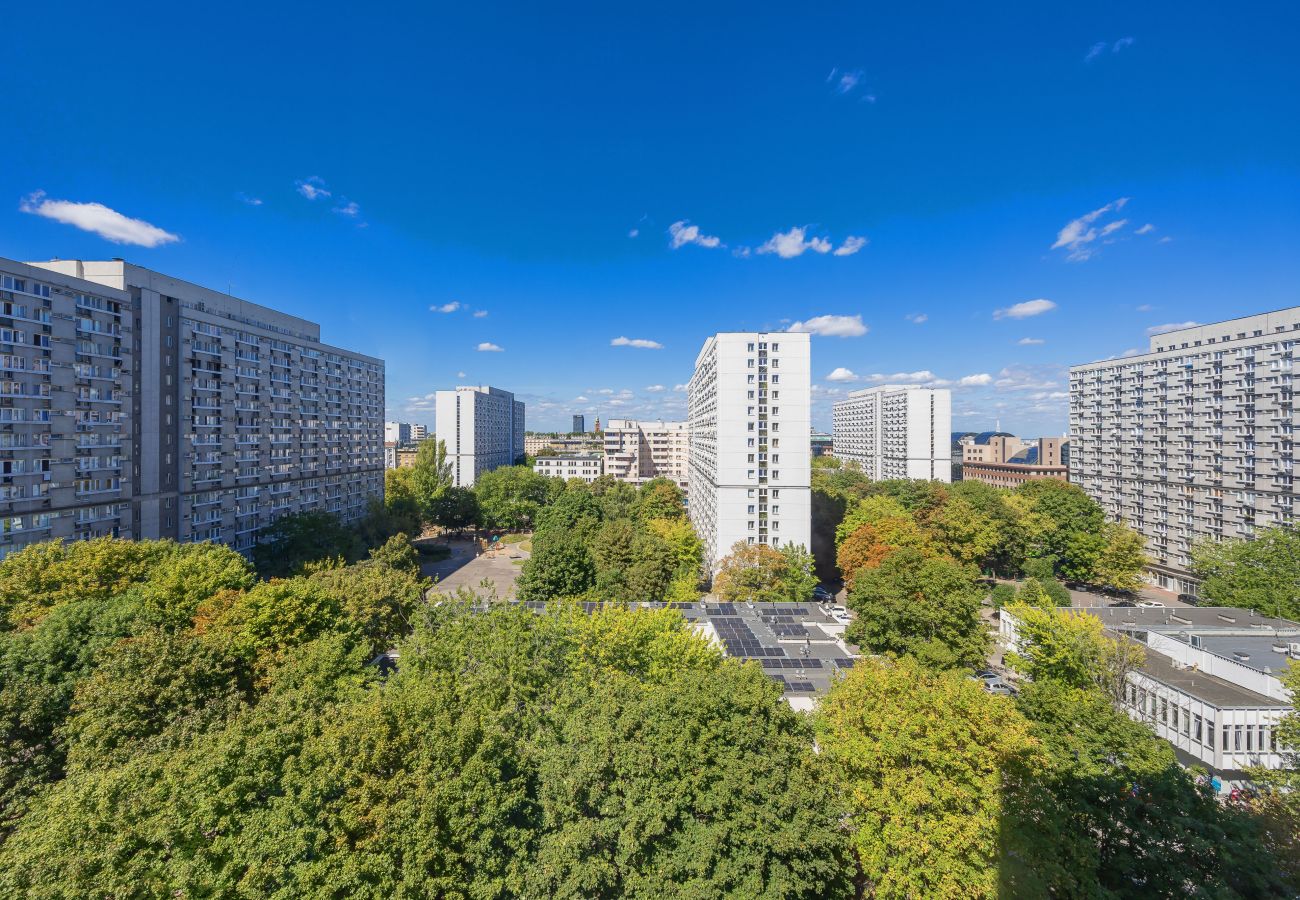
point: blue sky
(928, 171)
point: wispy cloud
(655, 388)
(917, 318)
(98, 219)
(681, 388)
(634, 232)
(460, 374)
(1169, 326)
(921, 378)
(831, 326)
(850, 246)
(446, 307)
(348, 208)
(1025, 309)
(488, 347)
(1030, 342)
(845, 81)
(312, 187)
(480, 313)
(683, 232)
(1146, 229)
(245, 198)
(639, 343)
(1079, 235)
(1144, 307)
(1102, 47)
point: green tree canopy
(763, 574)
(1262, 573)
(430, 475)
(511, 497)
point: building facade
(637, 451)
(896, 431)
(1209, 683)
(535, 443)
(583, 466)
(750, 392)
(1193, 439)
(482, 428)
(822, 444)
(579, 424)
(419, 433)
(992, 463)
(208, 416)
(397, 433)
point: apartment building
(483, 429)
(1006, 461)
(750, 391)
(896, 431)
(535, 443)
(197, 416)
(637, 451)
(68, 354)
(397, 433)
(1210, 682)
(583, 466)
(1193, 439)
(419, 432)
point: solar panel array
(739, 639)
(788, 663)
(803, 687)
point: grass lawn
(513, 538)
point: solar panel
(805, 687)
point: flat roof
(797, 644)
(1209, 688)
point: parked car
(1151, 604)
(821, 595)
(1190, 599)
(986, 675)
(1001, 688)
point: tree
(400, 500)
(863, 549)
(1069, 526)
(965, 533)
(575, 511)
(560, 566)
(761, 574)
(1262, 573)
(688, 549)
(1002, 595)
(511, 497)
(1071, 649)
(455, 508)
(431, 474)
(660, 498)
(881, 511)
(925, 759)
(296, 539)
(919, 606)
(1123, 558)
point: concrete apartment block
(638, 451)
(896, 431)
(749, 405)
(483, 428)
(1193, 439)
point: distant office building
(482, 428)
(750, 391)
(419, 433)
(637, 451)
(168, 410)
(584, 466)
(821, 444)
(896, 431)
(1192, 439)
(1211, 681)
(579, 424)
(1006, 461)
(397, 433)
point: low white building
(896, 431)
(583, 466)
(1210, 684)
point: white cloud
(681, 388)
(684, 233)
(1078, 235)
(1169, 326)
(460, 374)
(847, 81)
(251, 201)
(312, 187)
(98, 219)
(605, 391)
(979, 380)
(831, 326)
(655, 388)
(580, 399)
(634, 232)
(917, 318)
(348, 208)
(850, 246)
(480, 313)
(1101, 47)
(446, 307)
(488, 347)
(1025, 309)
(1164, 240)
(1146, 229)
(639, 343)
(842, 374)
(792, 243)
(1145, 307)
(1030, 342)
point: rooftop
(1212, 689)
